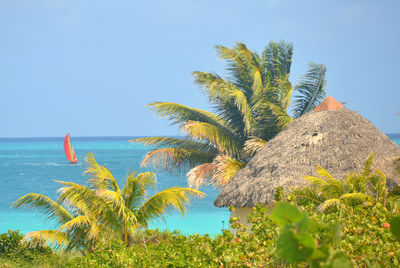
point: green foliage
(332, 194)
(294, 233)
(250, 108)
(307, 238)
(13, 247)
(296, 243)
(395, 227)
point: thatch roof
(338, 140)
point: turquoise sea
(32, 164)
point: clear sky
(90, 67)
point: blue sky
(90, 67)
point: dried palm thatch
(338, 140)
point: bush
(13, 247)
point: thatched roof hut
(334, 137)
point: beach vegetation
(14, 249)
(296, 233)
(250, 107)
(87, 215)
(368, 187)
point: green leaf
(340, 260)
(285, 213)
(295, 248)
(395, 227)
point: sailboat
(69, 150)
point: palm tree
(75, 217)
(86, 215)
(131, 207)
(329, 193)
(251, 107)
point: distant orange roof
(330, 104)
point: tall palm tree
(86, 215)
(251, 107)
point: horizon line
(124, 136)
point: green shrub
(13, 247)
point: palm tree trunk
(126, 235)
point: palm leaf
(278, 59)
(307, 194)
(200, 175)
(318, 182)
(253, 145)
(79, 222)
(359, 197)
(118, 206)
(135, 188)
(311, 89)
(281, 116)
(164, 202)
(219, 137)
(180, 114)
(100, 176)
(244, 66)
(226, 92)
(174, 142)
(54, 237)
(331, 203)
(325, 174)
(45, 205)
(176, 160)
(225, 168)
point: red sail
(69, 151)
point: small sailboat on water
(69, 150)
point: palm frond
(358, 197)
(310, 89)
(176, 160)
(253, 145)
(220, 138)
(56, 238)
(283, 119)
(79, 222)
(135, 188)
(44, 205)
(200, 175)
(164, 202)
(219, 90)
(307, 194)
(318, 182)
(245, 67)
(174, 142)
(331, 203)
(117, 204)
(368, 165)
(325, 174)
(225, 168)
(80, 198)
(278, 59)
(100, 176)
(179, 114)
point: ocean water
(32, 164)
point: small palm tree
(86, 215)
(76, 217)
(251, 107)
(343, 195)
(131, 207)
